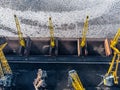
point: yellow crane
(111, 76)
(52, 40)
(5, 70)
(75, 80)
(84, 31)
(22, 41)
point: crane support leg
(28, 46)
(25, 50)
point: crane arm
(5, 66)
(84, 31)
(22, 41)
(1, 71)
(111, 65)
(2, 46)
(75, 80)
(116, 37)
(114, 42)
(116, 70)
(52, 40)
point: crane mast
(84, 31)
(75, 80)
(52, 40)
(20, 35)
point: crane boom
(75, 80)
(22, 41)
(52, 40)
(84, 31)
(5, 66)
